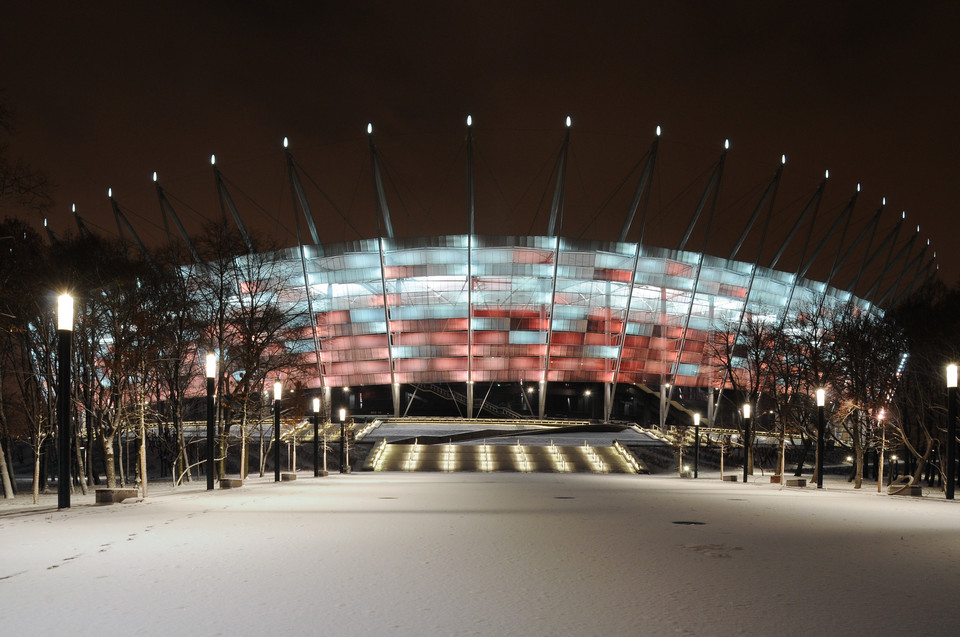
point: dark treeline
(142, 328)
(884, 376)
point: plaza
(377, 553)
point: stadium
(545, 327)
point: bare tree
(870, 350)
(250, 323)
(929, 320)
(28, 337)
(22, 187)
(175, 328)
(746, 364)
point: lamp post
(951, 430)
(211, 370)
(746, 440)
(316, 437)
(883, 445)
(696, 449)
(821, 401)
(277, 393)
(64, 338)
(343, 441)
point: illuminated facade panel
(534, 309)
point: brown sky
(105, 93)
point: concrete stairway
(499, 457)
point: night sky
(105, 93)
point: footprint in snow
(712, 550)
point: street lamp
(316, 438)
(64, 339)
(821, 401)
(343, 441)
(277, 393)
(746, 440)
(696, 449)
(211, 370)
(951, 430)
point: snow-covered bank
(485, 554)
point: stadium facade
(531, 310)
(473, 310)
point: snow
(484, 554)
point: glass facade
(438, 309)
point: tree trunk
(80, 473)
(244, 454)
(124, 457)
(44, 462)
(263, 457)
(36, 475)
(243, 442)
(8, 458)
(5, 474)
(91, 480)
(109, 460)
(221, 465)
(804, 450)
(182, 461)
(142, 464)
(858, 455)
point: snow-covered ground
(485, 554)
